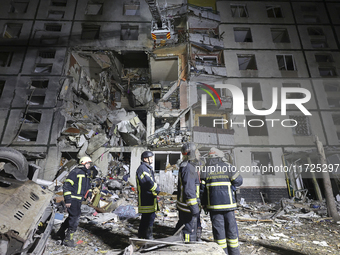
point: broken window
(2, 86)
(311, 18)
(53, 27)
(280, 35)
(59, 3)
(31, 117)
(28, 136)
(52, 14)
(132, 9)
(239, 10)
(257, 126)
(162, 160)
(5, 58)
(257, 95)
(333, 102)
(263, 161)
(49, 40)
(207, 60)
(308, 8)
(43, 68)
(246, 62)
(303, 127)
(90, 32)
(274, 11)
(242, 34)
(331, 87)
(47, 53)
(336, 119)
(206, 121)
(94, 9)
(286, 62)
(36, 100)
(12, 30)
(319, 43)
(327, 71)
(18, 6)
(323, 58)
(128, 32)
(293, 95)
(39, 84)
(315, 31)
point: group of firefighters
(211, 190)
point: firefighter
(147, 195)
(188, 193)
(221, 180)
(76, 185)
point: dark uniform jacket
(188, 189)
(147, 189)
(76, 185)
(219, 184)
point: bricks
(271, 195)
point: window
(204, 121)
(31, 117)
(47, 53)
(308, 8)
(90, 32)
(239, 10)
(280, 35)
(12, 30)
(286, 62)
(263, 161)
(43, 68)
(36, 100)
(303, 127)
(19, 6)
(274, 11)
(55, 14)
(28, 136)
(331, 87)
(206, 60)
(319, 44)
(257, 126)
(323, 58)
(49, 40)
(162, 160)
(59, 3)
(242, 34)
(257, 95)
(5, 58)
(333, 102)
(246, 62)
(94, 9)
(315, 31)
(293, 95)
(336, 119)
(132, 9)
(327, 71)
(311, 18)
(39, 84)
(53, 27)
(2, 86)
(128, 32)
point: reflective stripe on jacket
(188, 189)
(147, 189)
(218, 192)
(76, 185)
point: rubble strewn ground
(287, 227)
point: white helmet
(215, 153)
(85, 160)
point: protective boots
(149, 234)
(60, 234)
(199, 234)
(68, 241)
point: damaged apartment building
(86, 77)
